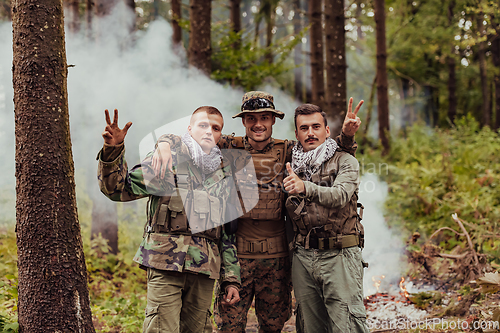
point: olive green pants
(328, 286)
(178, 302)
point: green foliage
(435, 173)
(117, 286)
(238, 61)
(8, 281)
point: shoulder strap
(283, 157)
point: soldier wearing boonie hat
(262, 244)
(258, 101)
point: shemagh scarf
(310, 162)
(207, 163)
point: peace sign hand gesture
(112, 134)
(351, 121)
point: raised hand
(112, 134)
(162, 158)
(293, 184)
(352, 121)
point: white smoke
(140, 76)
(150, 86)
(383, 249)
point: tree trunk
(297, 53)
(382, 96)
(53, 292)
(131, 5)
(88, 15)
(72, 15)
(481, 53)
(103, 7)
(452, 79)
(359, 31)
(369, 111)
(317, 75)
(270, 13)
(235, 15)
(176, 16)
(5, 10)
(405, 94)
(452, 89)
(336, 81)
(200, 50)
(495, 55)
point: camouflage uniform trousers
(328, 286)
(178, 302)
(269, 281)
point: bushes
(434, 173)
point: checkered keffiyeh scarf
(310, 162)
(207, 163)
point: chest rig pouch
(191, 209)
(269, 168)
(322, 227)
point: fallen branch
(471, 246)
(453, 256)
(445, 228)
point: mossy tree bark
(53, 292)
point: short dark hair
(308, 109)
(208, 110)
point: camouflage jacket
(172, 252)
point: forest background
(427, 70)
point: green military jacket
(346, 183)
(325, 215)
(171, 252)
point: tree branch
(471, 246)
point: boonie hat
(258, 101)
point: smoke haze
(150, 86)
(145, 80)
(382, 248)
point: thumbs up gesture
(293, 184)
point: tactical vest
(269, 171)
(321, 227)
(191, 195)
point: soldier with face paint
(262, 244)
(185, 248)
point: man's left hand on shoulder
(293, 184)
